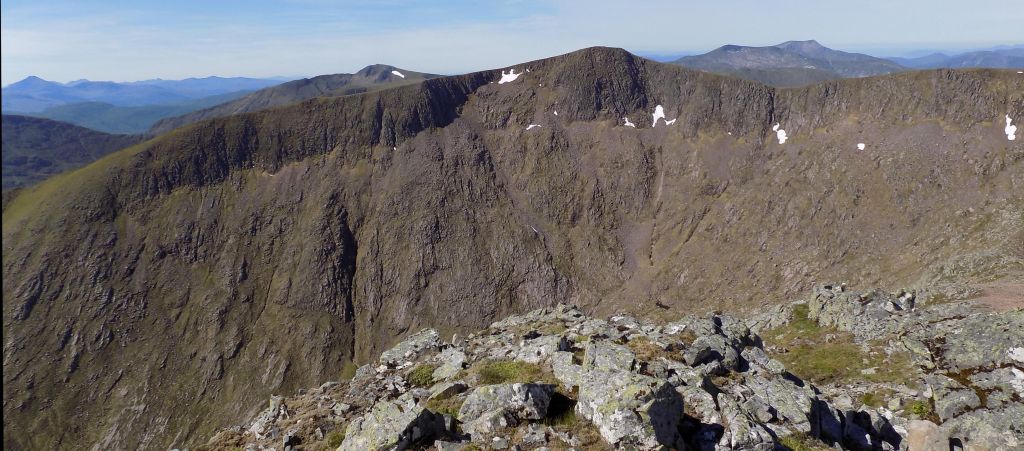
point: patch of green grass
(648, 351)
(348, 370)
(335, 438)
(919, 408)
(553, 328)
(509, 371)
(449, 406)
(813, 357)
(876, 398)
(802, 442)
(422, 375)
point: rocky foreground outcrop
(556, 379)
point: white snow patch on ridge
(398, 73)
(1011, 130)
(780, 133)
(659, 113)
(628, 123)
(532, 126)
(509, 77)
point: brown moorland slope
(167, 289)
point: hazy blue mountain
(34, 94)
(208, 86)
(791, 63)
(110, 118)
(1007, 58)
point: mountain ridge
(36, 148)
(33, 94)
(791, 63)
(375, 76)
(351, 221)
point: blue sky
(65, 40)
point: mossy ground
(422, 375)
(509, 372)
(647, 350)
(824, 355)
(802, 442)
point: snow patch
(628, 123)
(780, 133)
(860, 146)
(1011, 130)
(509, 77)
(398, 73)
(659, 113)
(528, 127)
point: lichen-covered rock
(992, 429)
(629, 409)
(743, 432)
(392, 425)
(700, 382)
(714, 347)
(604, 356)
(538, 349)
(492, 406)
(410, 348)
(951, 397)
(451, 362)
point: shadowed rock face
(167, 290)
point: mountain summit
(791, 63)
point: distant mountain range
(792, 63)
(110, 118)
(369, 78)
(33, 94)
(35, 148)
(797, 63)
(1012, 58)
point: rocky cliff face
(914, 378)
(169, 289)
